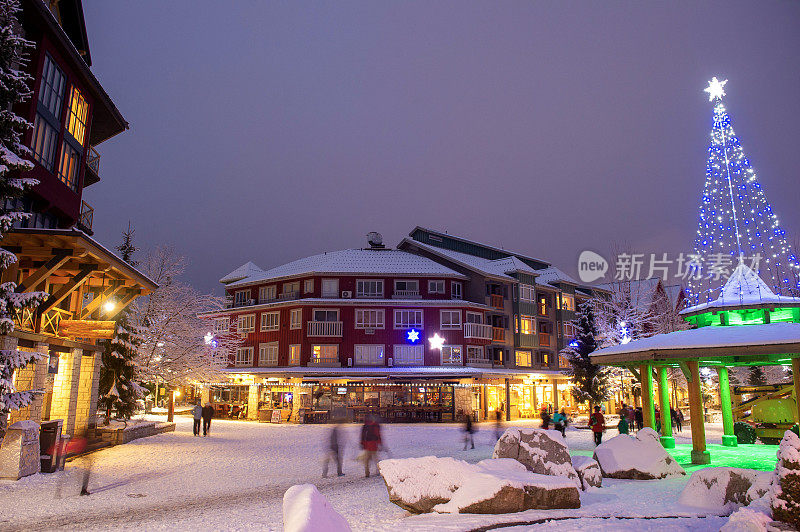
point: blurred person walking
(334, 451)
(371, 442)
(469, 430)
(197, 413)
(208, 413)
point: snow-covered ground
(235, 480)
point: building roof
(552, 275)
(352, 261)
(744, 288)
(242, 272)
(473, 242)
(494, 268)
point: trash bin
(50, 444)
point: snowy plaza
(235, 480)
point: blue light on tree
(412, 336)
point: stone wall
(84, 408)
(65, 389)
(31, 377)
(252, 402)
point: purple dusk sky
(269, 131)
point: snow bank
(305, 509)
(746, 520)
(641, 457)
(725, 488)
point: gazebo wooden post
(796, 380)
(666, 418)
(728, 438)
(699, 453)
(648, 408)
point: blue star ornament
(413, 336)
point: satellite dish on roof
(375, 239)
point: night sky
(269, 131)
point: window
(569, 330)
(369, 288)
(270, 321)
(371, 355)
(474, 317)
(325, 353)
(527, 293)
(523, 359)
(267, 293)
(45, 138)
(296, 318)
(68, 166)
(563, 362)
(47, 124)
(545, 330)
(543, 304)
(475, 353)
(222, 325)
(527, 325)
(450, 319)
(326, 315)
(242, 297)
(78, 113)
(51, 89)
(410, 287)
(244, 356)
(456, 290)
(330, 288)
(308, 286)
(294, 355)
(544, 358)
(291, 289)
(408, 355)
(247, 324)
(568, 302)
(268, 354)
(436, 287)
(369, 318)
(451, 355)
(407, 319)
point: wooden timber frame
(642, 364)
(88, 285)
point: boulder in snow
(725, 487)
(305, 509)
(419, 484)
(588, 471)
(639, 458)
(541, 451)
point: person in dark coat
(371, 442)
(208, 413)
(498, 424)
(334, 452)
(678, 419)
(469, 430)
(197, 413)
(639, 418)
(545, 419)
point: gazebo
(747, 325)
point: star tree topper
(715, 89)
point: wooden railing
(288, 295)
(544, 339)
(93, 161)
(498, 334)
(324, 328)
(478, 330)
(324, 360)
(496, 301)
(50, 320)
(86, 217)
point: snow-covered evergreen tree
(118, 389)
(591, 382)
(786, 487)
(755, 376)
(13, 90)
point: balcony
(496, 301)
(481, 362)
(287, 296)
(324, 328)
(86, 218)
(92, 175)
(325, 361)
(527, 340)
(544, 339)
(478, 331)
(498, 334)
(405, 294)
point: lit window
(268, 354)
(325, 353)
(369, 318)
(408, 355)
(451, 355)
(543, 304)
(270, 321)
(78, 112)
(244, 356)
(371, 355)
(68, 166)
(523, 359)
(527, 325)
(567, 302)
(436, 287)
(369, 288)
(294, 355)
(450, 319)
(296, 318)
(407, 319)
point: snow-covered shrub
(744, 432)
(786, 489)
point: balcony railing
(324, 328)
(93, 160)
(480, 361)
(405, 294)
(478, 330)
(322, 361)
(286, 296)
(496, 301)
(86, 217)
(544, 339)
(498, 334)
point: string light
(736, 220)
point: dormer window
(47, 124)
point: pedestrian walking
(498, 424)
(658, 420)
(545, 419)
(208, 413)
(560, 422)
(679, 419)
(371, 442)
(469, 430)
(630, 417)
(197, 413)
(334, 451)
(639, 419)
(598, 424)
(622, 426)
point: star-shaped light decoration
(436, 341)
(412, 336)
(715, 89)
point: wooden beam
(685, 370)
(95, 303)
(635, 373)
(47, 269)
(66, 290)
(122, 305)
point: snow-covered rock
(640, 458)
(588, 471)
(305, 509)
(725, 487)
(542, 451)
(746, 520)
(446, 485)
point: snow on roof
(707, 337)
(554, 275)
(245, 270)
(366, 261)
(475, 242)
(497, 268)
(744, 287)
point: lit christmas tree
(736, 221)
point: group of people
(371, 442)
(630, 417)
(559, 421)
(204, 414)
